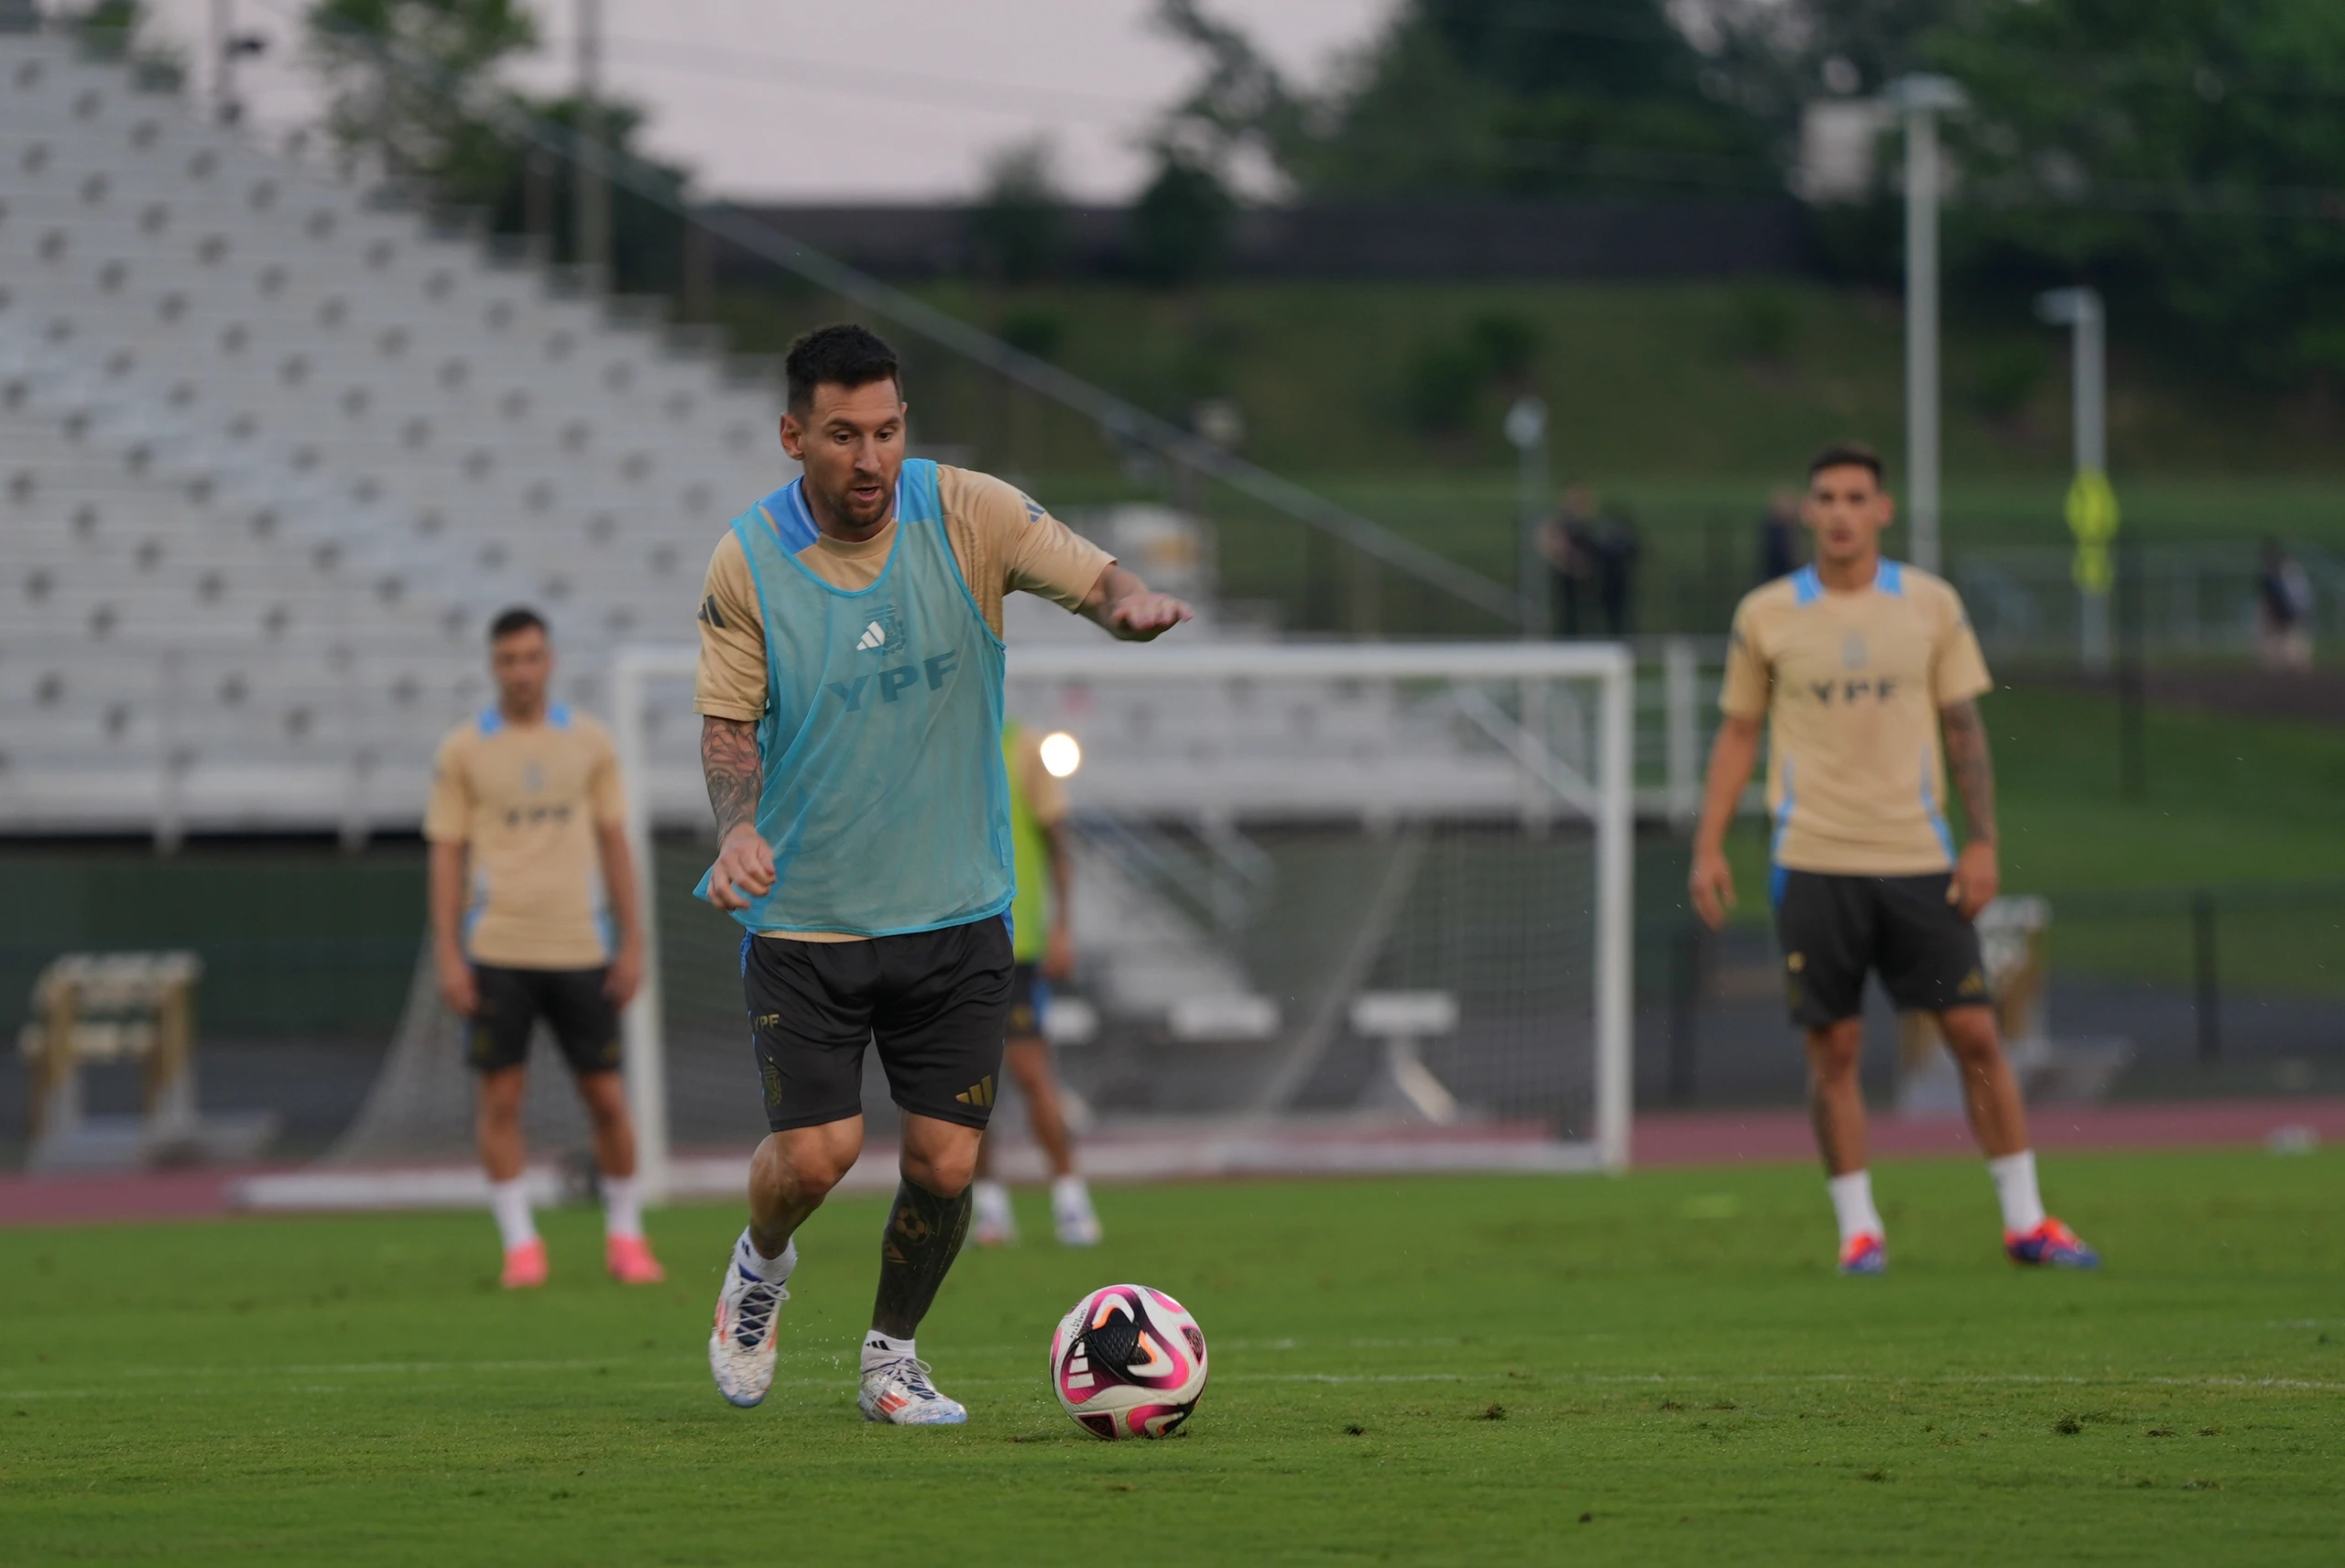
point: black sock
(924, 1234)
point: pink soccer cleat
(2050, 1246)
(1864, 1255)
(525, 1267)
(629, 1259)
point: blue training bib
(885, 798)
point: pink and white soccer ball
(1127, 1362)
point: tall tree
(407, 80)
(417, 84)
(2184, 153)
(1492, 95)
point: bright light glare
(1061, 754)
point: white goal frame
(1610, 801)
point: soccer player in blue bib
(850, 689)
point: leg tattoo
(924, 1234)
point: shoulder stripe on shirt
(1806, 586)
(793, 521)
(785, 510)
(1889, 578)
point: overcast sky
(873, 100)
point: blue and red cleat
(1864, 1255)
(2052, 1245)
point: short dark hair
(509, 622)
(1846, 454)
(841, 355)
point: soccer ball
(1127, 1362)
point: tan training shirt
(526, 802)
(1851, 685)
(1000, 541)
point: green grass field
(1659, 1370)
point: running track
(1661, 1140)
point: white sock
(991, 1196)
(622, 1208)
(1853, 1202)
(758, 1266)
(2015, 1177)
(1069, 1192)
(510, 1201)
(879, 1349)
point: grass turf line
(1440, 1370)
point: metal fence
(2189, 991)
(2190, 600)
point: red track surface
(1684, 1138)
(1727, 1138)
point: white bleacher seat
(270, 455)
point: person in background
(1043, 952)
(1616, 548)
(1779, 537)
(1568, 542)
(2282, 611)
(534, 917)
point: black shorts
(934, 1002)
(1833, 929)
(584, 1024)
(1029, 998)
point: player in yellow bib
(1042, 952)
(533, 917)
(1853, 665)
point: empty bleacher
(272, 454)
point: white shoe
(899, 1394)
(742, 1343)
(994, 1224)
(1071, 1214)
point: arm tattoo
(735, 774)
(924, 1232)
(1973, 769)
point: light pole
(1919, 100)
(1526, 429)
(590, 214)
(227, 46)
(2092, 504)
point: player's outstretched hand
(744, 869)
(458, 988)
(626, 972)
(1143, 617)
(1977, 878)
(1711, 884)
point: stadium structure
(271, 452)
(274, 449)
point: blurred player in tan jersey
(1042, 945)
(530, 876)
(1854, 663)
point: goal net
(1336, 906)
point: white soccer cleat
(899, 1394)
(995, 1223)
(1071, 1214)
(741, 1346)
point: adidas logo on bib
(883, 632)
